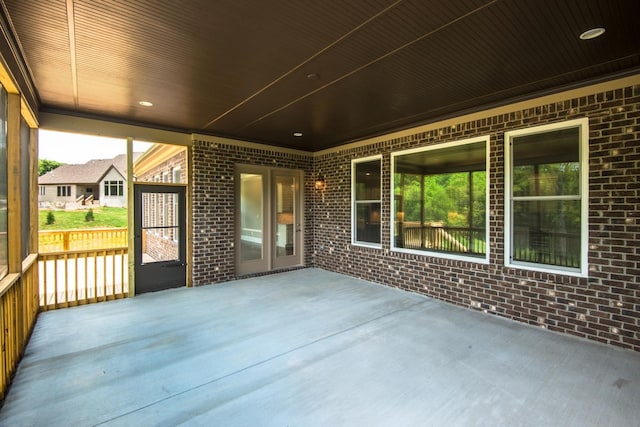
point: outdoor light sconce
(321, 184)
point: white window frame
(119, 188)
(174, 171)
(354, 202)
(445, 255)
(583, 125)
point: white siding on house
(49, 194)
(51, 197)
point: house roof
(336, 71)
(88, 173)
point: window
(42, 190)
(4, 243)
(440, 200)
(365, 177)
(176, 174)
(114, 188)
(546, 209)
(64, 190)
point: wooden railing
(18, 311)
(74, 240)
(86, 276)
(535, 246)
(440, 238)
(542, 247)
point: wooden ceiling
(334, 70)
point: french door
(269, 232)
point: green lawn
(66, 220)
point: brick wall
(214, 205)
(604, 307)
(159, 247)
(177, 161)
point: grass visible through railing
(103, 217)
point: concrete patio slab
(308, 348)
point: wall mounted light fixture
(321, 184)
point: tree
(51, 219)
(45, 166)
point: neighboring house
(100, 182)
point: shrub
(89, 216)
(51, 218)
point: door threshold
(266, 273)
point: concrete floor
(311, 347)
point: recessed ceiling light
(313, 76)
(297, 134)
(146, 103)
(592, 33)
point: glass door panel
(285, 215)
(252, 251)
(251, 217)
(160, 227)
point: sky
(74, 148)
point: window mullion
(543, 198)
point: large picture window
(365, 176)
(114, 188)
(545, 184)
(440, 199)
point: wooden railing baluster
(92, 277)
(18, 309)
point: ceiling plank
(72, 51)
